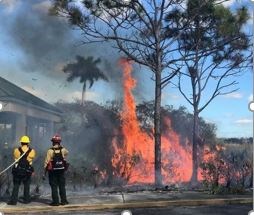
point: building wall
(14, 125)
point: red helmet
(56, 138)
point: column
(20, 127)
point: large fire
(135, 159)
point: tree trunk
(194, 178)
(83, 94)
(157, 128)
(251, 179)
(243, 180)
(228, 184)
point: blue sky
(31, 61)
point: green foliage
(88, 4)
(90, 129)
(243, 15)
(54, 10)
(225, 21)
(86, 69)
(212, 173)
(145, 113)
(211, 27)
(228, 169)
(76, 16)
(182, 122)
(125, 164)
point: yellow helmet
(24, 139)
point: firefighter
(56, 165)
(22, 170)
(95, 174)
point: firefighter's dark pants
(57, 180)
(16, 183)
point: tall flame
(135, 159)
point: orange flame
(135, 159)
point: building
(23, 113)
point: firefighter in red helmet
(56, 165)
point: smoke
(9, 5)
(48, 43)
(87, 133)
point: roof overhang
(20, 107)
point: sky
(34, 47)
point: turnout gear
(24, 148)
(55, 150)
(24, 139)
(57, 181)
(58, 160)
(23, 167)
(26, 180)
(56, 164)
(22, 170)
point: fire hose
(12, 164)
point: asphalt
(103, 200)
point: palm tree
(86, 69)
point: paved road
(200, 210)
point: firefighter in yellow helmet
(56, 165)
(22, 170)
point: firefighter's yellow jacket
(50, 154)
(30, 157)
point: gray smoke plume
(46, 41)
(49, 42)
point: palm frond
(85, 69)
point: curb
(129, 205)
